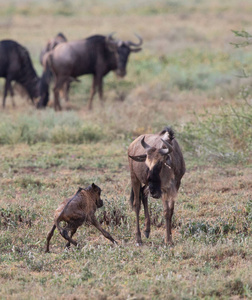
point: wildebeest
(77, 210)
(51, 44)
(16, 65)
(47, 76)
(156, 167)
(97, 55)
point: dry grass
(183, 42)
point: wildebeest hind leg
(71, 235)
(49, 236)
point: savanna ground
(187, 76)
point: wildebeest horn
(145, 145)
(113, 42)
(169, 148)
(129, 43)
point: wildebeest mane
(27, 75)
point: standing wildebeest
(77, 210)
(97, 55)
(16, 65)
(158, 171)
(51, 44)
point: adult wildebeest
(157, 170)
(77, 210)
(51, 44)
(16, 65)
(47, 77)
(97, 55)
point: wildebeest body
(77, 210)
(16, 65)
(157, 171)
(51, 44)
(97, 55)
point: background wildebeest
(51, 44)
(97, 55)
(47, 76)
(158, 171)
(77, 210)
(16, 65)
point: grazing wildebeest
(51, 44)
(97, 55)
(16, 65)
(156, 167)
(77, 210)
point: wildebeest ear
(139, 158)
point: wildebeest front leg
(103, 231)
(168, 205)
(100, 88)
(7, 86)
(136, 207)
(92, 93)
(146, 214)
(12, 96)
(49, 236)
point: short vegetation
(193, 74)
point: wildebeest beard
(154, 181)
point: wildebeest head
(96, 192)
(155, 159)
(122, 51)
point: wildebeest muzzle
(154, 181)
(99, 203)
(120, 72)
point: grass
(185, 77)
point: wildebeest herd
(64, 61)
(155, 160)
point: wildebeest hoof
(139, 244)
(147, 233)
(170, 244)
